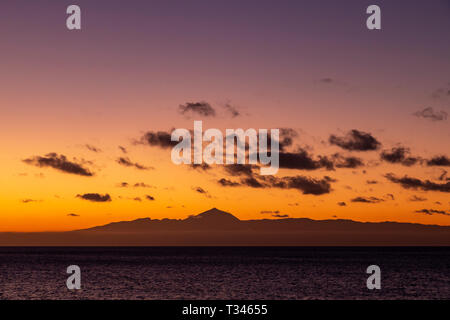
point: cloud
(141, 185)
(200, 108)
(149, 197)
(240, 169)
(304, 184)
(232, 111)
(441, 93)
(137, 199)
(160, 139)
(59, 162)
(302, 160)
(307, 185)
(342, 204)
(399, 155)
(228, 183)
(124, 185)
(371, 181)
(430, 114)
(123, 149)
(442, 161)
(355, 141)
(204, 166)
(287, 137)
(367, 200)
(95, 197)
(73, 215)
(126, 162)
(92, 148)
(269, 212)
(347, 162)
(29, 200)
(253, 183)
(417, 199)
(443, 176)
(414, 183)
(202, 191)
(432, 212)
(280, 215)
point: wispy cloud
(59, 162)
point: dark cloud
(250, 179)
(302, 160)
(342, 204)
(269, 212)
(367, 199)
(95, 197)
(371, 181)
(252, 182)
(123, 149)
(92, 148)
(137, 199)
(124, 185)
(73, 215)
(442, 161)
(417, 199)
(347, 162)
(204, 166)
(59, 162)
(157, 139)
(414, 183)
(200, 190)
(305, 184)
(28, 200)
(240, 169)
(432, 212)
(141, 185)
(280, 215)
(228, 183)
(355, 141)
(390, 196)
(201, 108)
(149, 197)
(126, 162)
(443, 176)
(287, 137)
(399, 155)
(429, 113)
(232, 111)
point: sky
(364, 113)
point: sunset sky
(80, 111)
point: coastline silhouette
(215, 227)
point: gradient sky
(307, 65)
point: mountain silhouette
(215, 227)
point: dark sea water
(225, 273)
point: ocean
(287, 273)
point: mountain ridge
(215, 227)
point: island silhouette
(215, 227)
